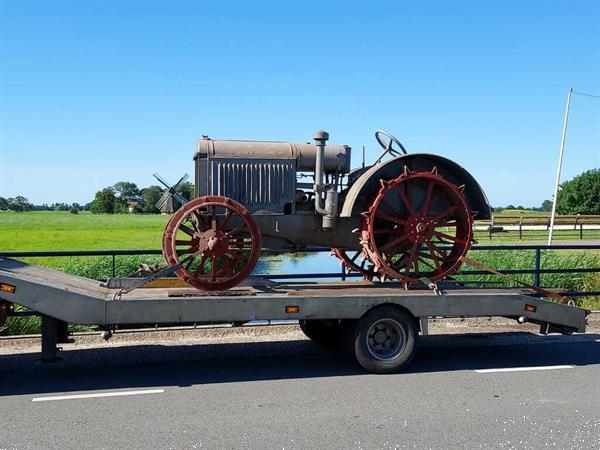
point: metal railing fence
(537, 270)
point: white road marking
(98, 395)
(522, 369)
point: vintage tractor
(407, 217)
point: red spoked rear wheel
(419, 225)
(216, 241)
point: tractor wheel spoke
(187, 230)
(227, 217)
(443, 214)
(428, 264)
(403, 197)
(200, 269)
(452, 223)
(412, 255)
(436, 261)
(427, 201)
(236, 230)
(447, 236)
(189, 263)
(213, 216)
(381, 215)
(390, 245)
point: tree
(60, 207)
(127, 191)
(581, 195)
(19, 203)
(187, 190)
(150, 197)
(547, 205)
(105, 202)
(3, 204)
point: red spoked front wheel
(216, 241)
(419, 225)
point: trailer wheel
(327, 333)
(384, 339)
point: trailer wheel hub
(386, 339)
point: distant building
(131, 206)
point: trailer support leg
(49, 338)
(62, 332)
(424, 324)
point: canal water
(300, 263)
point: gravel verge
(248, 334)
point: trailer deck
(74, 299)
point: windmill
(172, 194)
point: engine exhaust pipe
(329, 210)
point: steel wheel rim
(386, 339)
(411, 239)
(199, 238)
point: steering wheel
(387, 141)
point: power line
(587, 95)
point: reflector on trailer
(292, 309)
(7, 288)
(530, 308)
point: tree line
(113, 199)
(546, 207)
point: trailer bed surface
(81, 300)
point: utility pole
(560, 159)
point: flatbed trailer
(378, 323)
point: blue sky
(92, 93)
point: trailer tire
(327, 333)
(384, 339)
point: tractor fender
(360, 194)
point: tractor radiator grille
(259, 185)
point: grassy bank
(550, 259)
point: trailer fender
(364, 189)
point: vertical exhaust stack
(330, 209)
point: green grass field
(58, 230)
(46, 231)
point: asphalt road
(296, 395)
